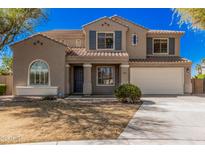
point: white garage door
(158, 80)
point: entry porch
(95, 78)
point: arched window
(39, 73)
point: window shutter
(118, 40)
(92, 40)
(149, 46)
(172, 46)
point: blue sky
(192, 43)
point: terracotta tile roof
(81, 52)
(165, 32)
(154, 59)
(64, 34)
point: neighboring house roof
(102, 19)
(116, 16)
(82, 52)
(64, 34)
(165, 32)
(155, 59)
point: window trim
(110, 85)
(133, 40)
(105, 32)
(49, 79)
(167, 53)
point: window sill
(36, 90)
(161, 55)
(104, 85)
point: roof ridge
(94, 21)
(105, 17)
(132, 22)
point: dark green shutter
(92, 40)
(118, 40)
(149, 46)
(172, 46)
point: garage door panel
(158, 80)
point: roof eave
(181, 33)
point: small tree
(198, 68)
(203, 61)
(7, 65)
(18, 21)
(195, 17)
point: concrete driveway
(168, 120)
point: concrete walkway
(162, 120)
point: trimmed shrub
(2, 89)
(200, 76)
(128, 93)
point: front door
(78, 79)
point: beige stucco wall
(139, 50)
(113, 26)
(177, 40)
(134, 51)
(51, 52)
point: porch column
(124, 74)
(87, 83)
(67, 79)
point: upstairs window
(160, 46)
(105, 40)
(134, 39)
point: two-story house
(106, 53)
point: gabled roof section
(114, 17)
(43, 35)
(102, 19)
